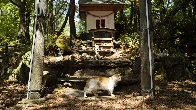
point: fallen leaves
(11, 94)
(173, 95)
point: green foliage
(63, 43)
(8, 25)
(50, 45)
(81, 27)
(130, 40)
(174, 27)
(59, 8)
(26, 58)
(129, 17)
(54, 44)
(174, 24)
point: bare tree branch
(62, 7)
(59, 15)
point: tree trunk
(71, 20)
(64, 23)
(131, 14)
(24, 14)
(51, 19)
(146, 80)
(35, 82)
(135, 15)
(194, 8)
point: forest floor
(168, 96)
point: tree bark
(144, 48)
(194, 8)
(71, 20)
(51, 19)
(64, 23)
(24, 14)
(131, 13)
(35, 82)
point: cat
(101, 83)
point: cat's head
(116, 77)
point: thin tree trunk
(135, 15)
(194, 8)
(64, 23)
(71, 20)
(131, 14)
(51, 19)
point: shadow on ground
(171, 95)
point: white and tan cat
(101, 83)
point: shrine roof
(100, 2)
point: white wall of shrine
(92, 16)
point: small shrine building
(100, 24)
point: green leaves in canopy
(8, 22)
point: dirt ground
(168, 96)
